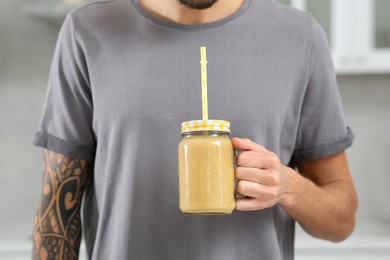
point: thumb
(245, 144)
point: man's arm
(325, 201)
(57, 223)
(321, 197)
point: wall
(26, 47)
(367, 108)
(26, 44)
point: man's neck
(173, 11)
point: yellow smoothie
(206, 173)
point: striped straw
(203, 62)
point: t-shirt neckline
(155, 19)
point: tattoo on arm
(57, 223)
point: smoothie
(206, 173)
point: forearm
(57, 223)
(325, 211)
(50, 241)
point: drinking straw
(203, 63)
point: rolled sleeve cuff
(325, 150)
(55, 144)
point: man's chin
(198, 4)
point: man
(125, 75)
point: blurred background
(359, 36)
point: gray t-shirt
(122, 81)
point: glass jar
(206, 168)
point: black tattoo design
(57, 223)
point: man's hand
(321, 197)
(262, 178)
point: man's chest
(160, 83)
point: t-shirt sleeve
(66, 123)
(322, 131)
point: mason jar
(206, 168)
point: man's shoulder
(282, 11)
(97, 7)
(101, 17)
(103, 11)
(286, 17)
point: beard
(198, 4)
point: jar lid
(205, 125)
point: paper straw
(203, 62)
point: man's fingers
(250, 204)
(257, 196)
(250, 159)
(249, 174)
(257, 190)
(256, 175)
(256, 159)
(246, 145)
(249, 188)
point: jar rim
(205, 133)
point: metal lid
(205, 125)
